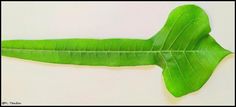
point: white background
(32, 82)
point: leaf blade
(183, 48)
(190, 78)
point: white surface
(31, 82)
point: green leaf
(183, 48)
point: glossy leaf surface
(183, 48)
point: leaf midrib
(106, 51)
